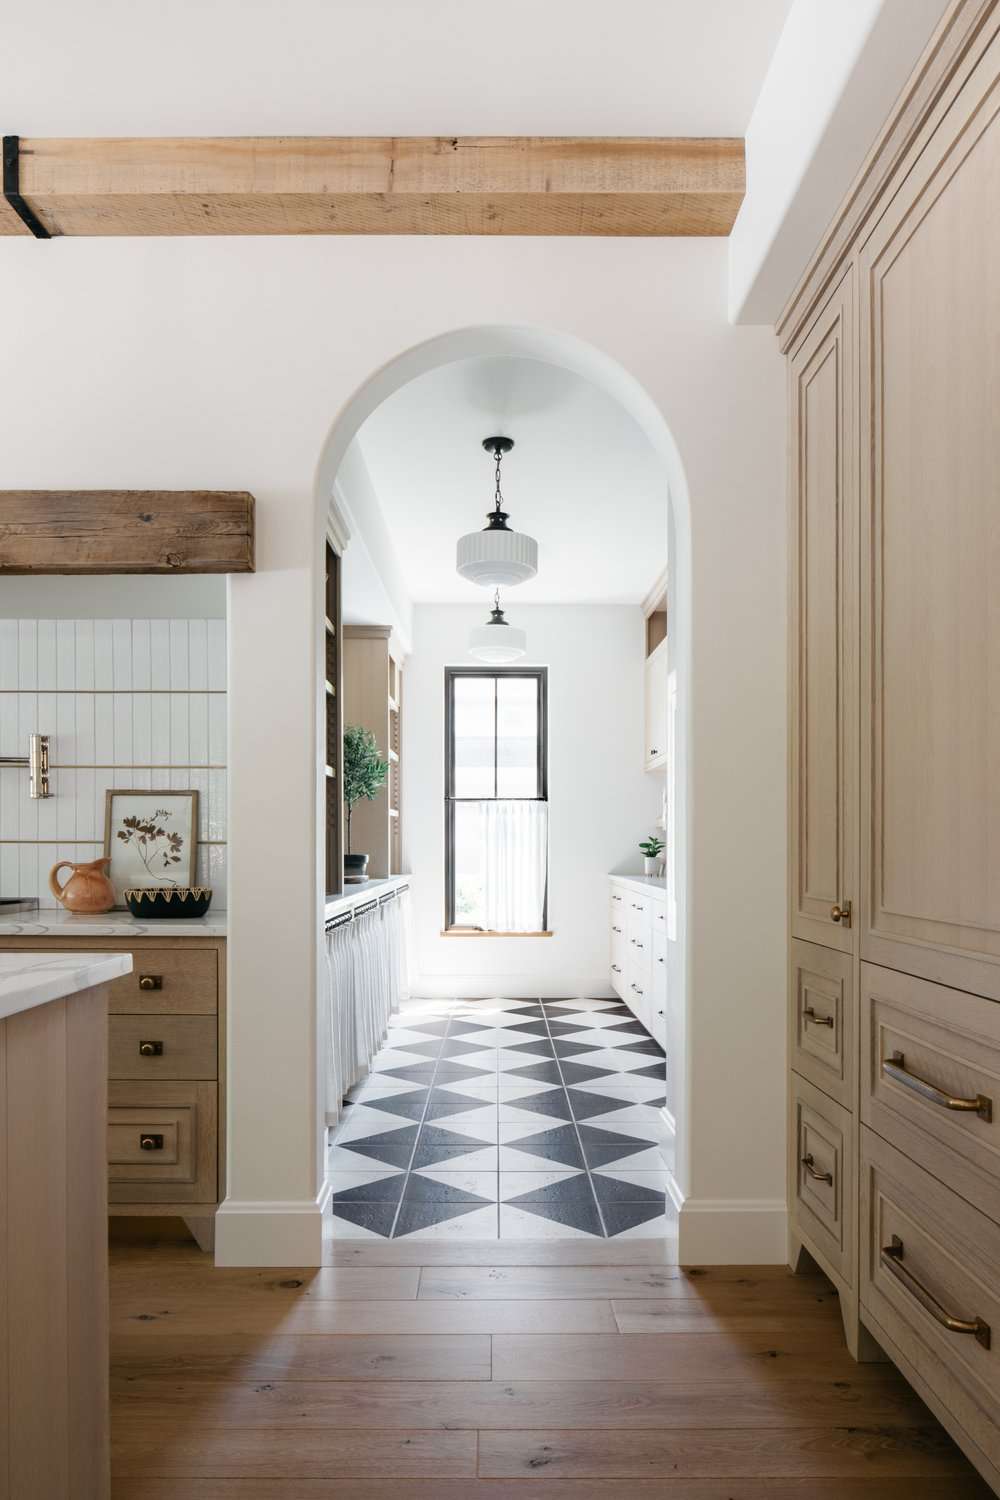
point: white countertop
(31, 979)
(357, 895)
(54, 921)
(650, 885)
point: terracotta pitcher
(88, 889)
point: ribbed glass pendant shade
(496, 642)
(497, 557)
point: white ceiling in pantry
(582, 479)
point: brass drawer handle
(891, 1257)
(151, 981)
(811, 1015)
(895, 1067)
(841, 914)
(150, 1049)
(808, 1161)
(151, 1143)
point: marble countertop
(651, 885)
(31, 979)
(356, 895)
(49, 921)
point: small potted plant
(364, 776)
(651, 848)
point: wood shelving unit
(333, 677)
(373, 697)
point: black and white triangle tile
(510, 1119)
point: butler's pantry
(495, 769)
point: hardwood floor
(506, 1372)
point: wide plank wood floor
(455, 1372)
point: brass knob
(151, 981)
(150, 1049)
(841, 914)
(151, 1143)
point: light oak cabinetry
(894, 862)
(166, 1074)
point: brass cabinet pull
(150, 1049)
(841, 914)
(811, 1015)
(891, 1257)
(150, 1143)
(808, 1162)
(151, 981)
(895, 1067)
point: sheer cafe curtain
(515, 846)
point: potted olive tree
(364, 776)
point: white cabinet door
(655, 751)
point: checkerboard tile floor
(509, 1119)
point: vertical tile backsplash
(125, 703)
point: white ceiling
(582, 479)
(385, 67)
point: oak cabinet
(894, 1027)
(824, 636)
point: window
(496, 799)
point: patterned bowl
(169, 901)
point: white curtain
(515, 856)
(366, 977)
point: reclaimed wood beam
(126, 531)
(472, 185)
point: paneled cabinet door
(824, 610)
(930, 313)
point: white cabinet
(638, 949)
(655, 749)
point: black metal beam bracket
(12, 187)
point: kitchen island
(53, 1223)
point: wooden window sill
(476, 932)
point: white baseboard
(732, 1231)
(276, 1233)
(668, 1119)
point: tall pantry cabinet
(893, 348)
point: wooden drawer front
(184, 982)
(953, 1251)
(951, 1041)
(821, 1041)
(184, 1167)
(821, 1136)
(189, 1047)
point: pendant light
(496, 642)
(497, 557)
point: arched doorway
(606, 374)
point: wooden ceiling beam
(472, 185)
(126, 531)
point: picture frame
(151, 839)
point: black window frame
(540, 675)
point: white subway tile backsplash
(179, 656)
(104, 656)
(84, 632)
(46, 638)
(141, 681)
(126, 704)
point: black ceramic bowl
(169, 901)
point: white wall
(601, 802)
(834, 76)
(221, 363)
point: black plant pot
(355, 868)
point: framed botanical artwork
(151, 839)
